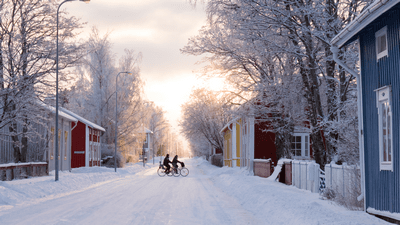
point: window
(381, 43)
(300, 145)
(65, 144)
(59, 143)
(52, 147)
(385, 128)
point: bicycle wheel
(177, 172)
(171, 173)
(184, 172)
(161, 172)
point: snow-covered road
(137, 195)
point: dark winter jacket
(175, 160)
(166, 161)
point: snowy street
(137, 195)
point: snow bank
(38, 189)
(279, 203)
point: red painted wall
(78, 142)
(264, 143)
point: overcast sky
(158, 29)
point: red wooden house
(247, 139)
(85, 142)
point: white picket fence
(343, 179)
(305, 175)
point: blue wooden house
(377, 30)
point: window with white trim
(300, 145)
(385, 128)
(381, 43)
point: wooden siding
(382, 187)
(238, 139)
(227, 148)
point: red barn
(85, 142)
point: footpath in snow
(137, 195)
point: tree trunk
(13, 130)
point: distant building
(147, 147)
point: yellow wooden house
(238, 142)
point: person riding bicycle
(175, 162)
(166, 163)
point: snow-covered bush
(107, 155)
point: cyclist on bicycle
(175, 162)
(166, 163)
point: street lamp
(56, 133)
(116, 117)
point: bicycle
(161, 171)
(183, 171)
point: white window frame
(304, 145)
(378, 34)
(383, 95)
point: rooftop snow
(373, 11)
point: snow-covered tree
(277, 52)
(27, 64)
(157, 123)
(93, 94)
(204, 115)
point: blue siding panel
(382, 187)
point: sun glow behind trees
(277, 53)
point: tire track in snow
(227, 204)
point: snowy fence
(343, 180)
(306, 175)
(36, 144)
(6, 147)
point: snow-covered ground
(137, 195)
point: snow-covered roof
(83, 120)
(377, 8)
(145, 130)
(148, 131)
(60, 113)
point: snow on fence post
(262, 167)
